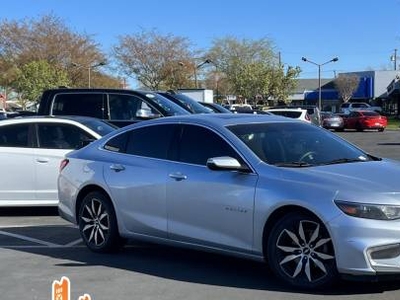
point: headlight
(369, 211)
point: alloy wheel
(303, 253)
(96, 222)
(300, 251)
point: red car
(363, 119)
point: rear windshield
(289, 114)
(99, 126)
(370, 113)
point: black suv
(118, 106)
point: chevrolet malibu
(308, 203)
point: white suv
(295, 113)
(348, 107)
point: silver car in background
(263, 187)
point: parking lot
(37, 247)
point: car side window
(15, 136)
(61, 136)
(151, 141)
(128, 107)
(82, 104)
(198, 144)
(117, 143)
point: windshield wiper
(373, 157)
(344, 161)
(293, 164)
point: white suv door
(17, 182)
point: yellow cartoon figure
(61, 289)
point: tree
(47, 39)
(36, 76)
(251, 67)
(346, 85)
(157, 61)
(283, 83)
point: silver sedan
(263, 187)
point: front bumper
(366, 247)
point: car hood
(368, 182)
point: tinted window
(127, 107)
(370, 113)
(82, 104)
(14, 135)
(188, 103)
(117, 143)
(61, 136)
(151, 141)
(99, 126)
(289, 114)
(198, 144)
(170, 108)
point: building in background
(380, 88)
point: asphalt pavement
(38, 248)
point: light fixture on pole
(393, 58)
(335, 59)
(216, 77)
(207, 61)
(89, 67)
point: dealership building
(375, 87)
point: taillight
(63, 164)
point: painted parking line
(29, 239)
(36, 242)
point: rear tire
(301, 253)
(98, 224)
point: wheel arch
(85, 191)
(275, 216)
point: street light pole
(207, 61)
(90, 67)
(335, 59)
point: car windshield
(171, 108)
(297, 145)
(190, 103)
(99, 126)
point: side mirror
(225, 163)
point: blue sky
(362, 34)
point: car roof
(58, 118)
(221, 119)
(287, 109)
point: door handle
(42, 160)
(117, 167)
(178, 176)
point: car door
(54, 140)
(212, 208)
(17, 171)
(135, 172)
(352, 119)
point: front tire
(300, 251)
(98, 223)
